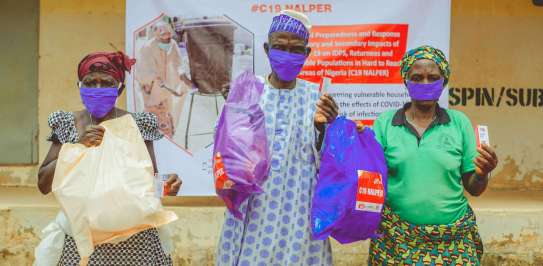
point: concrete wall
(68, 31)
(497, 44)
(493, 44)
(511, 230)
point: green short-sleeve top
(425, 173)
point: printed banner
(188, 52)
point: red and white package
(371, 192)
(325, 84)
(161, 186)
(221, 178)
(481, 133)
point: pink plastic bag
(240, 153)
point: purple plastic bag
(351, 187)
(241, 157)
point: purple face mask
(286, 65)
(425, 92)
(99, 101)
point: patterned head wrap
(112, 63)
(425, 52)
(291, 21)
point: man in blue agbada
(276, 225)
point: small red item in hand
(166, 189)
(221, 178)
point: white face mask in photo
(164, 46)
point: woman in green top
(432, 158)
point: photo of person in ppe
(161, 76)
(432, 159)
(101, 81)
(275, 229)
